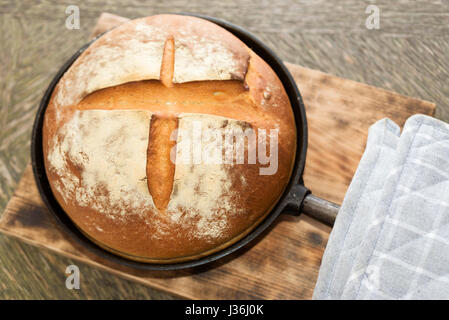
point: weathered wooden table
(408, 54)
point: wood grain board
(284, 262)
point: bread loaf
(143, 141)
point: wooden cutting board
(284, 262)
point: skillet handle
(320, 209)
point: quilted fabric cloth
(391, 236)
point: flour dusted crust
(134, 50)
(108, 129)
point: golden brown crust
(168, 62)
(160, 168)
(106, 141)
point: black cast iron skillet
(295, 199)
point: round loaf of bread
(168, 139)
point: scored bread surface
(118, 127)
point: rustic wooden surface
(284, 263)
(408, 55)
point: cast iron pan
(295, 199)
